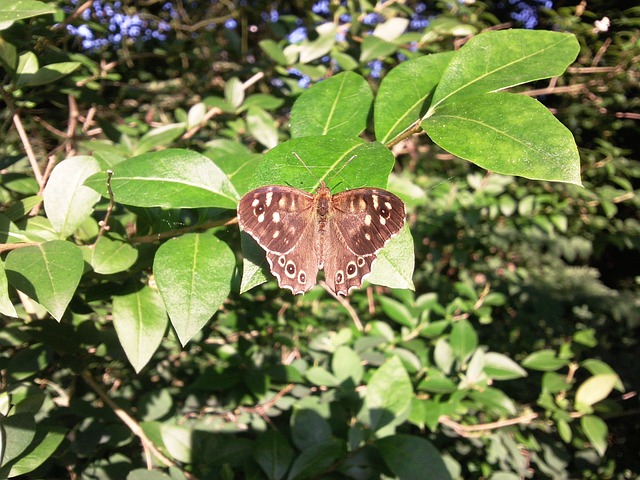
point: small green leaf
(410, 457)
(312, 50)
(178, 441)
(49, 273)
(309, 428)
(18, 432)
(544, 360)
(271, 48)
(347, 364)
(464, 339)
(397, 311)
(374, 47)
(140, 321)
(595, 367)
(67, 202)
(234, 92)
(395, 263)
(501, 367)
(46, 442)
(508, 134)
(6, 307)
(321, 377)
(274, 454)
(109, 256)
(172, 178)
(193, 274)
(391, 29)
(339, 105)
(313, 461)
(595, 389)
(47, 74)
(388, 397)
(262, 126)
(196, 115)
(404, 93)
(159, 137)
(596, 431)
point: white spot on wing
(269, 198)
(276, 217)
(367, 220)
(261, 218)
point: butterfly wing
(363, 221)
(282, 221)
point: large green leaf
(171, 178)
(49, 273)
(404, 94)
(274, 454)
(193, 274)
(507, 133)
(110, 255)
(596, 431)
(410, 457)
(339, 105)
(316, 459)
(464, 339)
(342, 162)
(395, 263)
(18, 431)
(43, 446)
(500, 59)
(47, 74)
(67, 202)
(140, 321)
(11, 11)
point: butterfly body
(304, 233)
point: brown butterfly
(303, 233)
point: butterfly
(303, 233)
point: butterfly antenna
(306, 166)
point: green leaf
(239, 168)
(339, 105)
(234, 92)
(595, 366)
(6, 307)
(391, 29)
(47, 74)
(410, 457)
(262, 126)
(321, 377)
(178, 441)
(395, 263)
(144, 474)
(316, 459)
(347, 364)
(67, 202)
(196, 115)
(18, 431)
(8, 55)
(374, 47)
(397, 311)
(21, 9)
(274, 454)
(388, 396)
(501, 367)
(595, 389)
(271, 48)
(499, 59)
(49, 273)
(172, 178)
(109, 256)
(159, 137)
(193, 274)
(309, 428)
(544, 360)
(508, 134)
(342, 162)
(403, 97)
(140, 321)
(312, 50)
(463, 340)
(45, 443)
(596, 431)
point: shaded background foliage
(561, 262)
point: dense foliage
(142, 336)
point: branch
(469, 431)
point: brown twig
(469, 431)
(104, 224)
(28, 150)
(131, 423)
(346, 305)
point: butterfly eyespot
(290, 269)
(360, 262)
(351, 269)
(384, 212)
(282, 261)
(339, 276)
(258, 209)
(302, 277)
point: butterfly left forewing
(276, 216)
